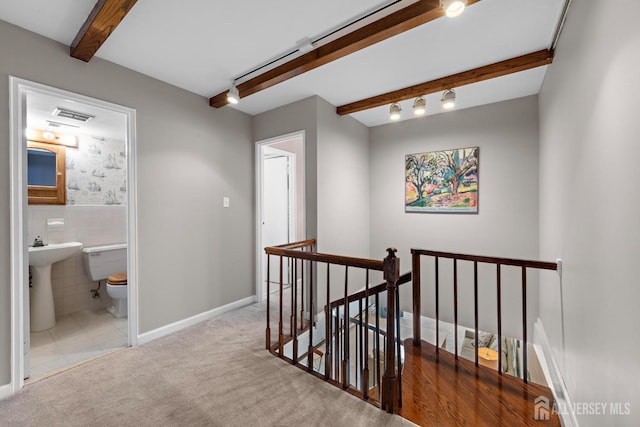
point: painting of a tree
(442, 181)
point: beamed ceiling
(496, 50)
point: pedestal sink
(43, 315)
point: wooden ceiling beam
(393, 24)
(498, 69)
(103, 19)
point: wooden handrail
(382, 287)
(541, 265)
(296, 245)
(370, 264)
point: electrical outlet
(225, 202)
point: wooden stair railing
(339, 324)
(499, 263)
(349, 334)
(364, 327)
(445, 389)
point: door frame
(19, 88)
(259, 154)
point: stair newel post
(312, 313)
(365, 370)
(294, 314)
(328, 332)
(268, 330)
(389, 401)
(345, 325)
(280, 320)
(415, 272)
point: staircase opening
(368, 334)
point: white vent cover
(74, 115)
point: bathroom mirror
(46, 178)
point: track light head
(394, 111)
(448, 100)
(453, 8)
(419, 106)
(233, 96)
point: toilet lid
(117, 279)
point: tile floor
(76, 337)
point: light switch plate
(225, 202)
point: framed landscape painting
(442, 181)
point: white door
(276, 211)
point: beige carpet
(216, 373)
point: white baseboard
(553, 375)
(190, 321)
(6, 391)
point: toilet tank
(102, 261)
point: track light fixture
(419, 106)
(305, 45)
(394, 111)
(233, 96)
(453, 8)
(448, 100)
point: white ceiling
(201, 45)
(104, 124)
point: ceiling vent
(73, 115)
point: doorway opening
(280, 198)
(59, 314)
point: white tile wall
(90, 225)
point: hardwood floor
(437, 390)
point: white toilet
(109, 262)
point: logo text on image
(541, 409)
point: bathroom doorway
(98, 208)
(280, 201)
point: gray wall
(343, 195)
(589, 207)
(343, 183)
(507, 219)
(337, 175)
(189, 157)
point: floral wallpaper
(97, 172)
